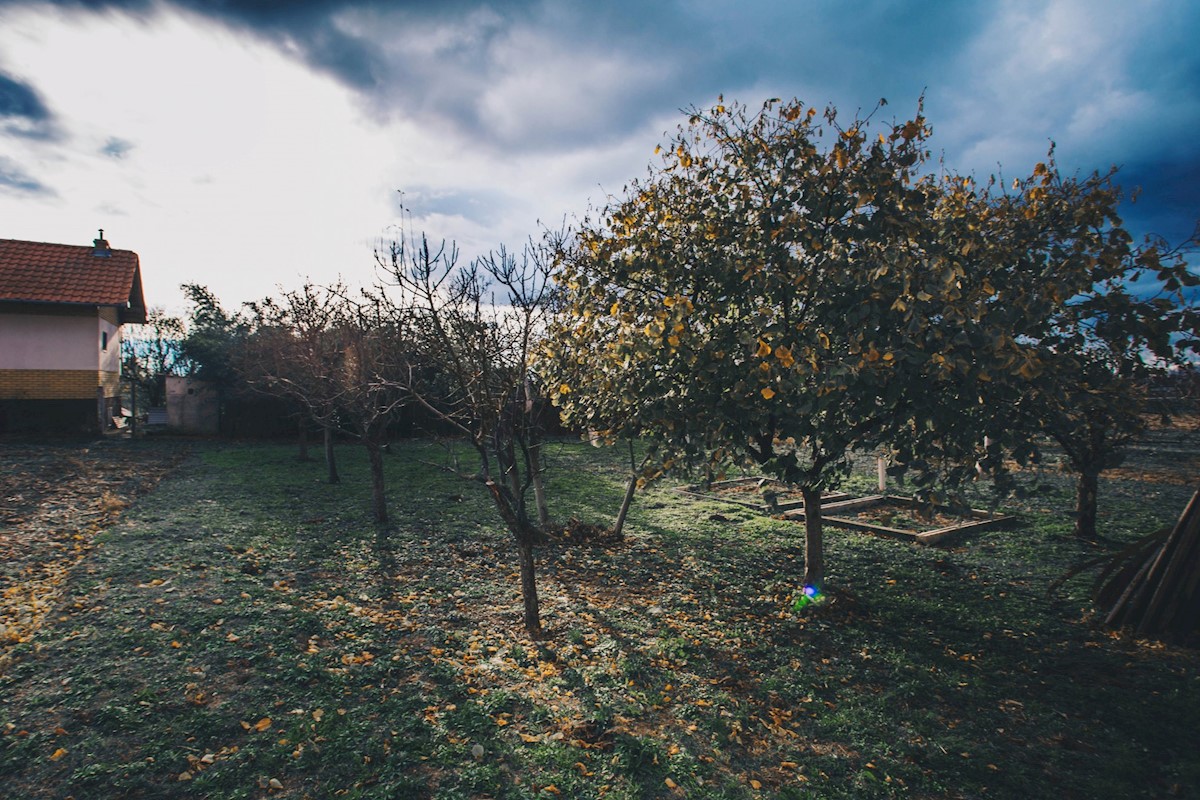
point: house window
(104, 340)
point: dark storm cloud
(22, 110)
(1167, 202)
(20, 100)
(532, 75)
(539, 76)
(15, 180)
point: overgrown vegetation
(254, 638)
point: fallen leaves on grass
(56, 498)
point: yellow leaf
(262, 724)
(785, 356)
(59, 753)
(768, 393)
(824, 339)
(755, 784)
(316, 715)
(670, 783)
(552, 789)
(763, 350)
(564, 389)
(615, 309)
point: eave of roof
(41, 272)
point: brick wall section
(56, 384)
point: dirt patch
(54, 499)
(891, 515)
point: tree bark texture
(525, 536)
(532, 611)
(539, 486)
(626, 502)
(378, 492)
(1085, 505)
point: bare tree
(337, 354)
(477, 330)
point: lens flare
(808, 595)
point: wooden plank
(728, 483)
(882, 530)
(930, 537)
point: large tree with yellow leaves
(746, 301)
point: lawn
(244, 631)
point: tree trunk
(814, 545)
(532, 616)
(378, 494)
(525, 537)
(330, 461)
(626, 502)
(1085, 505)
(539, 486)
(513, 474)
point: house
(61, 311)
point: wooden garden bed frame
(757, 503)
(834, 504)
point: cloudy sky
(247, 144)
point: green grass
(245, 624)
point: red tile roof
(37, 272)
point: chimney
(100, 246)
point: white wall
(110, 359)
(37, 341)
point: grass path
(245, 632)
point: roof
(39, 272)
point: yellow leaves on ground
(53, 512)
(59, 753)
(260, 726)
(767, 392)
(763, 350)
(670, 783)
(784, 354)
